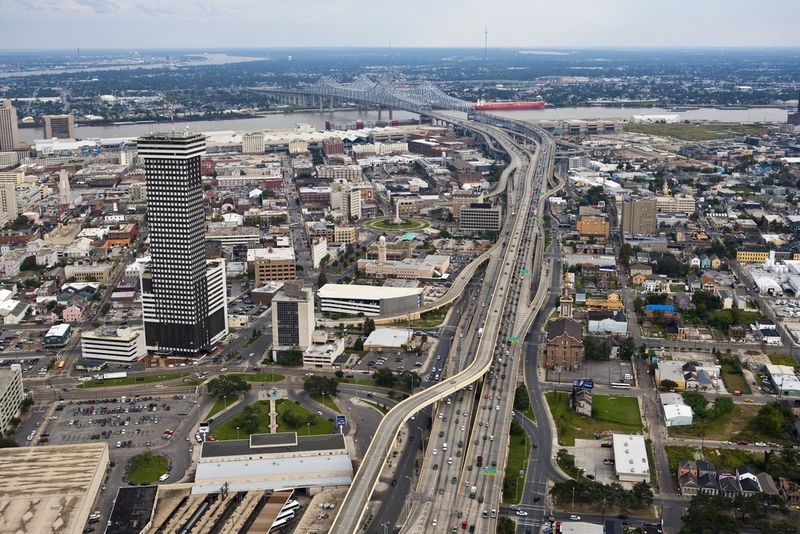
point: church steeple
(665, 189)
(566, 300)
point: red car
(741, 442)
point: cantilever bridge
(420, 97)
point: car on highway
(394, 482)
(574, 517)
(485, 514)
(435, 452)
(522, 513)
(435, 467)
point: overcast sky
(67, 24)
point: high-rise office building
(794, 118)
(292, 319)
(60, 126)
(639, 216)
(9, 139)
(64, 193)
(183, 295)
(8, 202)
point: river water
(318, 119)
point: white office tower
(9, 138)
(183, 295)
(63, 186)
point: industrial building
(784, 380)
(354, 299)
(676, 412)
(113, 344)
(50, 488)
(274, 461)
(11, 394)
(630, 458)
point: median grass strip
(261, 377)
(220, 404)
(327, 401)
(620, 414)
(132, 380)
(254, 419)
(147, 468)
(519, 450)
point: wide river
(318, 119)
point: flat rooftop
(264, 444)
(50, 488)
(354, 291)
(132, 509)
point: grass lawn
(319, 426)
(677, 288)
(528, 412)
(571, 425)
(695, 132)
(261, 377)
(359, 381)
(227, 430)
(232, 355)
(387, 224)
(327, 401)
(431, 318)
(380, 407)
(519, 450)
(132, 380)
(782, 359)
(623, 410)
(219, 405)
(147, 468)
(729, 426)
(734, 381)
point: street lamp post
(308, 429)
(237, 432)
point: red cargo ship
(508, 105)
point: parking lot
(595, 459)
(133, 423)
(602, 372)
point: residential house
(682, 301)
(686, 466)
(748, 480)
(767, 484)
(688, 484)
(737, 334)
(582, 402)
(653, 283)
(72, 314)
(705, 262)
(693, 283)
(716, 263)
(707, 477)
(694, 262)
(741, 298)
(789, 490)
(641, 268)
(726, 298)
(638, 279)
(707, 283)
(728, 484)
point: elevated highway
(349, 517)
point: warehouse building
(630, 458)
(354, 299)
(57, 336)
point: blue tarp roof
(660, 307)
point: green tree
(369, 327)
(668, 385)
(358, 344)
(384, 378)
(230, 386)
(28, 264)
(521, 399)
(596, 348)
(697, 402)
(627, 349)
(710, 514)
(7, 442)
(321, 385)
(625, 254)
(322, 280)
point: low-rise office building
(86, 272)
(11, 394)
(272, 264)
(353, 299)
(113, 344)
(57, 336)
(481, 217)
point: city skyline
(510, 23)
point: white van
(444, 446)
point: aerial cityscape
(479, 280)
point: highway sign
(524, 271)
(587, 383)
(521, 472)
(490, 471)
(513, 339)
(341, 420)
